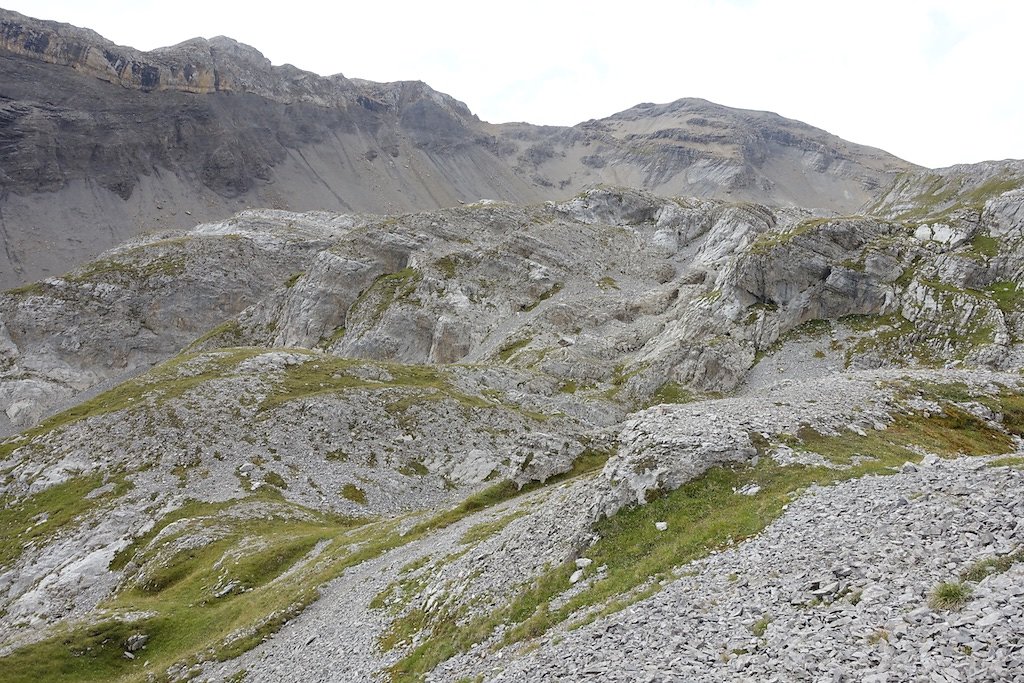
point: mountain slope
(100, 142)
(486, 427)
(692, 147)
(617, 436)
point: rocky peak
(197, 65)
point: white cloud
(932, 81)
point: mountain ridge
(104, 141)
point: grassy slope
(703, 515)
(186, 623)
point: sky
(936, 82)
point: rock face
(692, 147)
(102, 141)
(615, 288)
(140, 304)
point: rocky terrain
(617, 436)
(102, 142)
(692, 394)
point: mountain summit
(102, 141)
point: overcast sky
(935, 82)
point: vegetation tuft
(950, 595)
(983, 569)
(353, 493)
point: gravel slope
(841, 585)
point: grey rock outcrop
(140, 304)
(615, 288)
(661, 455)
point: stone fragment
(136, 642)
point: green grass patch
(396, 596)
(333, 338)
(760, 626)
(122, 270)
(211, 600)
(950, 595)
(956, 392)
(759, 311)
(952, 432)
(447, 265)
(323, 375)
(275, 480)
(671, 392)
(506, 352)
(414, 468)
(985, 245)
(1011, 405)
(227, 334)
(982, 569)
(992, 188)
(87, 654)
(908, 274)
(878, 636)
(30, 289)
(385, 291)
(810, 329)
(353, 493)
(39, 517)
(1007, 401)
(190, 509)
(588, 462)
(767, 241)
(555, 289)
(865, 323)
(1008, 296)
(622, 374)
(412, 566)
(1012, 461)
